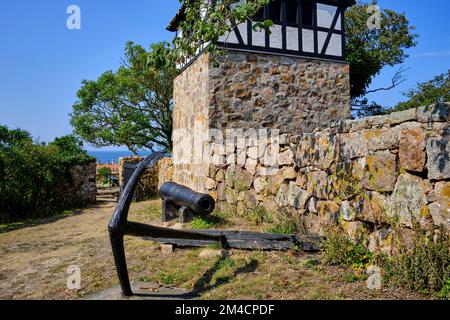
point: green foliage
(369, 51)
(445, 291)
(207, 21)
(350, 277)
(427, 93)
(283, 223)
(425, 267)
(363, 108)
(131, 107)
(71, 150)
(203, 223)
(104, 174)
(226, 262)
(282, 227)
(168, 279)
(339, 250)
(32, 174)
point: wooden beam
(249, 241)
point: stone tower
(293, 78)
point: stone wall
(151, 180)
(279, 92)
(362, 175)
(191, 101)
(80, 186)
(247, 90)
(165, 171)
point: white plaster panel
(292, 38)
(325, 15)
(308, 40)
(276, 38)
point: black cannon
(181, 201)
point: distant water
(106, 157)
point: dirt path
(35, 258)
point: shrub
(32, 174)
(339, 250)
(425, 267)
(104, 174)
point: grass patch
(350, 277)
(258, 216)
(11, 226)
(310, 262)
(208, 222)
(167, 279)
(151, 211)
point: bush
(339, 250)
(104, 174)
(425, 267)
(32, 174)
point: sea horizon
(109, 157)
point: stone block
(381, 172)
(382, 139)
(438, 152)
(347, 212)
(286, 158)
(372, 208)
(381, 241)
(297, 197)
(317, 184)
(412, 150)
(408, 202)
(440, 209)
(356, 230)
(434, 113)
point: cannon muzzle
(180, 198)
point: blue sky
(42, 63)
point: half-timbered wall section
(301, 27)
(306, 28)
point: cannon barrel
(181, 196)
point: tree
(131, 107)
(427, 93)
(370, 50)
(363, 108)
(206, 21)
(71, 150)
